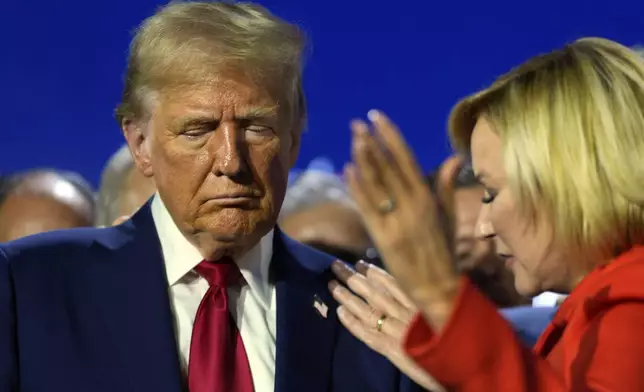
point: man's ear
(138, 141)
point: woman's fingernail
(373, 115)
(362, 266)
(337, 266)
(341, 311)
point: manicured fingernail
(341, 311)
(341, 268)
(362, 266)
(333, 284)
(373, 115)
(337, 266)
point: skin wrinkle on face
(231, 150)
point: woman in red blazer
(558, 144)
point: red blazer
(594, 343)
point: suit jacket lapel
(133, 294)
(305, 337)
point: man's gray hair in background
(315, 187)
(113, 180)
(65, 185)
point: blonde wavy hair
(189, 43)
(571, 124)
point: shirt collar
(548, 298)
(181, 257)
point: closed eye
(258, 128)
(195, 133)
(198, 128)
(488, 197)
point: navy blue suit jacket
(88, 310)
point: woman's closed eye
(489, 196)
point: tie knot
(222, 273)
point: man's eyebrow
(260, 112)
(193, 119)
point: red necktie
(218, 360)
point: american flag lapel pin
(320, 306)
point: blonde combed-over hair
(189, 43)
(571, 124)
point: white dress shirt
(548, 299)
(253, 306)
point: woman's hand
(382, 320)
(404, 219)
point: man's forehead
(36, 204)
(213, 99)
(226, 84)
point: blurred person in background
(37, 201)
(318, 211)
(476, 258)
(557, 143)
(123, 189)
(197, 291)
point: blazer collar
(306, 317)
(129, 286)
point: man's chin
(230, 229)
(214, 244)
(230, 238)
(224, 234)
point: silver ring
(386, 206)
(380, 322)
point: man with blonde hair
(199, 289)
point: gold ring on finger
(380, 322)
(386, 206)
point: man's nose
(230, 151)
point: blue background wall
(62, 63)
